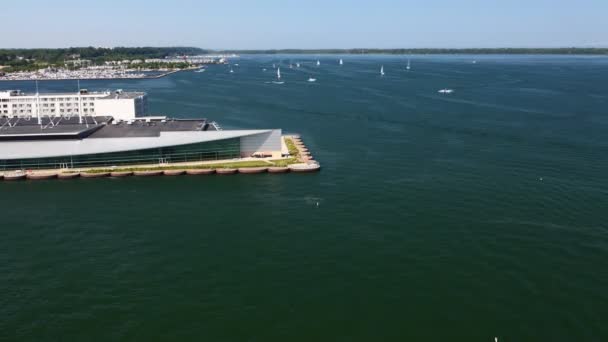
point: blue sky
(263, 24)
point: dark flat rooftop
(150, 129)
(93, 128)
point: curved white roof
(58, 148)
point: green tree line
(32, 59)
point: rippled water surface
(445, 217)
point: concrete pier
(304, 163)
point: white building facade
(121, 105)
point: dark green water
(441, 217)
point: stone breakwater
(35, 175)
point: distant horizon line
(446, 50)
(600, 47)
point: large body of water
(440, 217)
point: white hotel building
(120, 105)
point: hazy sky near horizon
(265, 24)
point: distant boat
(474, 62)
(310, 79)
(445, 91)
(297, 65)
(201, 70)
(318, 62)
(341, 61)
(408, 65)
(274, 66)
(382, 70)
(231, 71)
(236, 64)
(278, 81)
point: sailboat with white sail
(278, 81)
(341, 61)
(408, 65)
(382, 70)
(318, 62)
